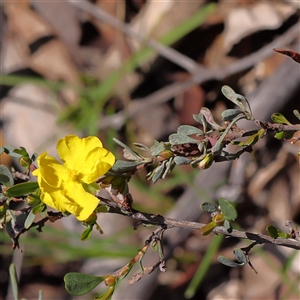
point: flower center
(72, 175)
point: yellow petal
(83, 202)
(97, 163)
(72, 150)
(86, 156)
(73, 199)
(51, 172)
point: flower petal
(97, 163)
(83, 202)
(72, 150)
(86, 156)
(73, 199)
(50, 171)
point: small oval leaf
(273, 231)
(296, 113)
(279, 119)
(6, 176)
(179, 139)
(240, 256)
(200, 119)
(227, 226)
(230, 114)
(158, 172)
(10, 151)
(157, 148)
(227, 209)
(78, 284)
(188, 130)
(209, 207)
(122, 166)
(180, 160)
(86, 234)
(29, 220)
(229, 263)
(22, 189)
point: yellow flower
(84, 161)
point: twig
(258, 238)
(159, 220)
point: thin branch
(143, 218)
(258, 238)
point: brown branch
(143, 218)
(258, 238)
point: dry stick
(166, 93)
(171, 54)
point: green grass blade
(204, 266)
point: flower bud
(206, 162)
(24, 161)
(2, 211)
(110, 280)
(166, 154)
(218, 219)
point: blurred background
(136, 70)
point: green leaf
(141, 146)
(22, 189)
(209, 207)
(296, 113)
(201, 120)
(273, 231)
(78, 284)
(130, 154)
(227, 226)
(22, 151)
(284, 135)
(29, 220)
(253, 139)
(228, 262)
(179, 139)
(230, 114)
(10, 151)
(231, 95)
(122, 166)
(158, 172)
(157, 148)
(6, 176)
(86, 234)
(13, 280)
(280, 119)
(238, 100)
(38, 208)
(240, 256)
(227, 209)
(188, 130)
(180, 160)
